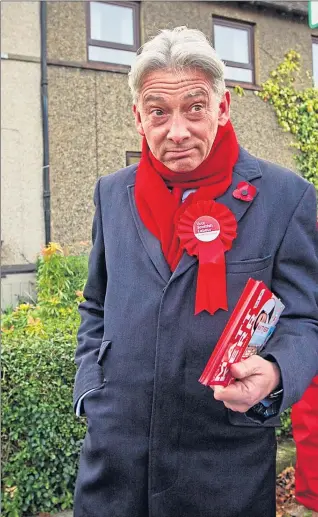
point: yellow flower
(7, 331)
(35, 326)
(33, 321)
(24, 307)
(11, 490)
(51, 249)
(54, 300)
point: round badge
(206, 228)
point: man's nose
(178, 130)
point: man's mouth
(179, 153)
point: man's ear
(138, 120)
(224, 109)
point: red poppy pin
(245, 191)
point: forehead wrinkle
(168, 82)
(165, 92)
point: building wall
(21, 134)
(91, 122)
(91, 126)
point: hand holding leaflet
(251, 324)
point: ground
(285, 496)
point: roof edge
(296, 8)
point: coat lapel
(150, 242)
(246, 169)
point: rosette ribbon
(206, 230)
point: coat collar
(246, 169)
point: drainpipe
(45, 127)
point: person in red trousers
(305, 431)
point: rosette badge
(206, 229)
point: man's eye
(157, 112)
(196, 107)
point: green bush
(286, 429)
(41, 436)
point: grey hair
(177, 49)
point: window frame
(109, 44)
(132, 154)
(250, 29)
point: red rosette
(206, 229)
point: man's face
(179, 115)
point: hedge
(41, 436)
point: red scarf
(159, 208)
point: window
(113, 32)
(234, 43)
(132, 157)
(315, 60)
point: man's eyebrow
(153, 98)
(196, 93)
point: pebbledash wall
(90, 117)
(22, 232)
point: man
(159, 444)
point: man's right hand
(256, 378)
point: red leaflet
(251, 324)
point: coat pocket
(89, 379)
(249, 266)
(102, 351)
(241, 419)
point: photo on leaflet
(264, 325)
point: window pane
(112, 23)
(315, 62)
(231, 44)
(111, 55)
(238, 74)
(131, 159)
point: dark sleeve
(90, 334)
(294, 345)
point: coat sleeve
(294, 345)
(305, 431)
(90, 334)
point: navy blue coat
(158, 444)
